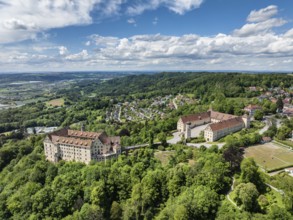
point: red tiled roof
(83, 134)
(71, 141)
(195, 117)
(81, 138)
(226, 124)
(221, 116)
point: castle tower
(246, 120)
(188, 131)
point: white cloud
(260, 22)
(289, 33)
(132, 21)
(262, 14)
(63, 50)
(177, 6)
(102, 41)
(21, 20)
(182, 6)
(78, 56)
(155, 21)
(259, 28)
(255, 46)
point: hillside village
(210, 125)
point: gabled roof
(71, 141)
(195, 117)
(81, 138)
(220, 116)
(83, 134)
(226, 124)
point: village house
(250, 109)
(252, 89)
(81, 146)
(289, 170)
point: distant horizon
(151, 71)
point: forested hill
(229, 84)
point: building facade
(221, 129)
(193, 120)
(220, 124)
(72, 145)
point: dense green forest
(192, 184)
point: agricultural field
(55, 102)
(270, 156)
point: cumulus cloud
(259, 28)
(102, 41)
(63, 50)
(260, 22)
(254, 46)
(22, 20)
(177, 6)
(262, 14)
(78, 56)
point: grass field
(270, 156)
(55, 102)
(164, 156)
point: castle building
(193, 120)
(220, 124)
(81, 146)
(218, 130)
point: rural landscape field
(271, 156)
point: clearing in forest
(270, 156)
(55, 102)
(164, 156)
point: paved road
(207, 145)
(174, 103)
(266, 127)
(176, 138)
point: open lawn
(164, 156)
(270, 156)
(55, 102)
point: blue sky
(66, 35)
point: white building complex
(220, 124)
(72, 145)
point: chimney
(82, 127)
